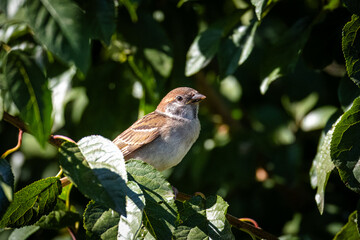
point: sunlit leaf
(31, 202)
(321, 168)
(23, 233)
(29, 90)
(202, 50)
(351, 48)
(60, 87)
(345, 146)
(350, 231)
(160, 211)
(317, 118)
(259, 5)
(129, 226)
(96, 166)
(298, 109)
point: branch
(17, 122)
(235, 222)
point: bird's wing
(142, 132)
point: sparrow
(163, 137)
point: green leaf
(29, 90)
(160, 211)
(350, 231)
(156, 47)
(236, 48)
(96, 166)
(321, 168)
(206, 43)
(23, 233)
(204, 219)
(353, 6)
(131, 6)
(300, 108)
(347, 92)
(62, 27)
(100, 221)
(31, 202)
(104, 223)
(202, 50)
(6, 185)
(351, 48)
(283, 56)
(317, 118)
(345, 146)
(129, 226)
(100, 15)
(260, 6)
(61, 217)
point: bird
(163, 137)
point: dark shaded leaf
(282, 58)
(62, 28)
(347, 92)
(156, 47)
(351, 48)
(28, 88)
(61, 217)
(96, 166)
(100, 15)
(353, 6)
(206, 44)
(131, 6)
(6, 185)
(102, 222)
(31, 202)
(160, 211)
(345, 146)
(236, 49)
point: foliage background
(261, 122)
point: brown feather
(139, 133)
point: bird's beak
(196, 98)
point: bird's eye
(179, 98)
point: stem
(14, 148)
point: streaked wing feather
(139, 133)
